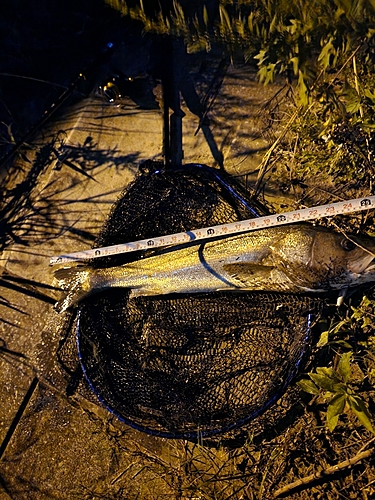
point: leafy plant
(281, 36)
(362, 317)
(335, 387)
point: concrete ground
(56, 443)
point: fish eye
(348, 244)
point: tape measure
(305, 214)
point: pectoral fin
(248, 274)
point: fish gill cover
(188, 365)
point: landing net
(184, 366)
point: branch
(304, 481)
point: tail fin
(76, 280)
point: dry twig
(305, 481)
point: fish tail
(76, 282)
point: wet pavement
(56, 440)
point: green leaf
(323, 339)
(370, 95)
(295, 62)
(368, 124)
(332, 422)
(327, 372)
(261, 56)
(303, 90)
(205, 15)
(347, 6)
(344, 366)
(353, 104)
(335, 408)
(308, 386)
(339, 326)
(340, 388)
(344, 344)
(119, 5)
(336, 405)
(326, 52)
(197, 45)
(322, 381)
(224, 18)
(360, 410)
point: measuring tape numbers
(305, 214)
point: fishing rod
(268, 221)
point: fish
(295, 258)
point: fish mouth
(364, 266)
(371, 267)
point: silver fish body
(296, 258)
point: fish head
(316, 258)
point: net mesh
(188, 365)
